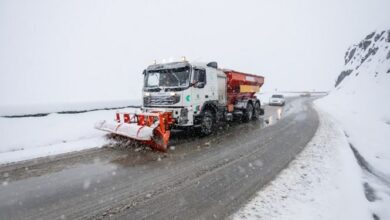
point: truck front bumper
(183, 115)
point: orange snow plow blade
(148, 128)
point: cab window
(199, 76)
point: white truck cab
(184, 89)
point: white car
(277, 100)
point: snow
(316, 185)
(344, 172)
(361, 107)
(32, 137)
(10, 110)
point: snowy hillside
(360, 104)
(52, 134)
(344, 172)
(362, 92)
(71, 107)
(363, 85)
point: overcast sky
(54, 51)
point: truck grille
(161, 100)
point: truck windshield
(179, 77)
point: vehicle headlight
(172, 93)
(147, 94)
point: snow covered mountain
(371, 51)
(360, 102)
(364, 83)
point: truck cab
(183, 88)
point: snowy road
(203, 178)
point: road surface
(198, 178)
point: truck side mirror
(200, 85)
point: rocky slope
(372, 51)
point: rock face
(342, 75)
(372, 53)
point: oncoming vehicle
(188, 95)
(277, 100)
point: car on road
(277, 100)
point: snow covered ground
(344, 172)
(360, 105)
(321, 183)
(31, 109)
(31, 137)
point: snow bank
(344, 172)
(32, 137)
(360, 104)
(31, 109)
(323, 182)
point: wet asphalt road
(199, 178)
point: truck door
(198, 92)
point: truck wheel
(207, 124)
(248, 113)
(256, 111)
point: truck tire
(248, 113)
(207, 123)
(256, 111)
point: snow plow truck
(185, 94)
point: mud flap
(261, 111)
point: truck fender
(211, 105)
(242, 103)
